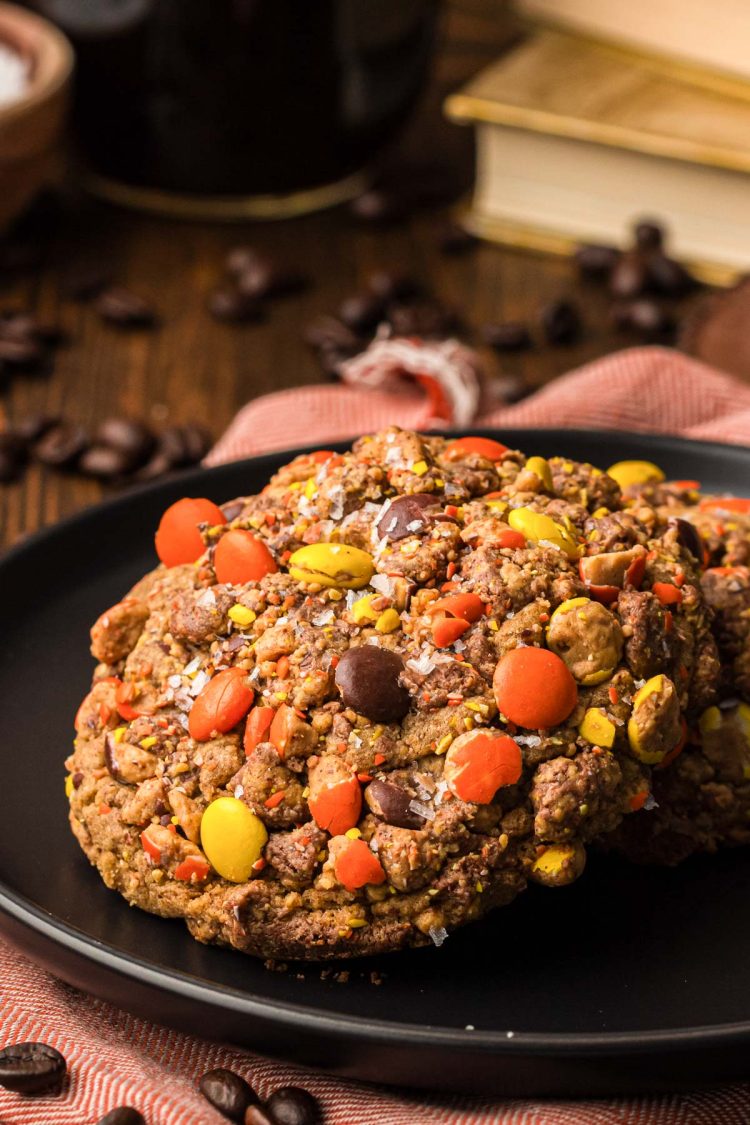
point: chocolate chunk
(327, 332)
(508, 336)
(688, 536)
(454, 239)
(29, 1068)
(668, 277)
(263, 277)
(120, 307)
(104, 462)
(122, 1115)
(391, 803)
(561, 322)
(403, 514)
(128, 436)
(629, 278)
(596, 261)
(62, 445)
(362, 312)
(378, 206)
(227, 1092)
(230, 305)
(649, 235)
(291, 1105)
(392, 285)
(368, 679)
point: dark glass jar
(210, 102)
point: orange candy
(446, 630)
(738, 504)
(485, 447)
(194, 869)
(356, 866)
(479, 763)
(667, 593)
(225, 700)
(242, 557)
(337, 808)
(534, 688)
(469, 607)
(258, 722)
(178, 539)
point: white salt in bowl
(36, 63)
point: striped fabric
(115, 1058)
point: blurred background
(202, 202)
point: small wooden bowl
(31, 126)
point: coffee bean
(157, 466)
(257, 1115)
(368, 679)
(61, 445)
(29, 1068)
(122, 1115)
(688, 536)
(241, 258)
(129, 437)
(291, 1105)
(266, 278)
(85, 281)
(391, 803)
(643, 316)
(392, 285)
(19, 352)
(329, 332)
(227, 1092)
(378, 206)
(119, 307)
(668, 277)
(454, 239)
(30, 427)
(629, 277)
(405, 515)
(561, 322)
(185, 445)
(104, 462)
(362, 312)
(649, 235)
(427, 319)
(508, 336)
(596, 261)
(230, 305)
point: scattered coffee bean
(127, 436)
(230, 305)
(241, 258)
(185, 445)
(427, 319)
(391, 803)
(643, 316)
(257, 1115)
(30, 1068)
(104, 462)
(228, 1092)
(688, 536)
(122, 1115)
(85, 281)
(362, 312)
(291, 1105)
(120, 307)
(61, 445)
(508, 336)
(30, 427)
(157, 466)
(392, 285)
(561, 322)
(455, 239)
(20, 352)
(649, 235)
(378, 206)
(330, 332)
(596, 261)
(368, 679)
(406, 515)
(266, 278)
(629, 276)
(668, 277)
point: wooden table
(193, 368)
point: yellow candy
(332, 564)
(388, 621)
(311, 489)
(538, 528)
(362, 609)
(653, 686)
(540, 467)
(597, 728)
(420, 468)
(627, 473)
(710, 720)
(559, 864)
(232, 837)
(69, 786)
(499, 506)
(241, 615)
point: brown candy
(399, 519)
(688, 537)
(391, 803)
(368, 679)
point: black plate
(629, 980)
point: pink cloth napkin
(115, 1058)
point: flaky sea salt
(438, 934)
(14, 75)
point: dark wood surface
(193, 368)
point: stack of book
(607, 112)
